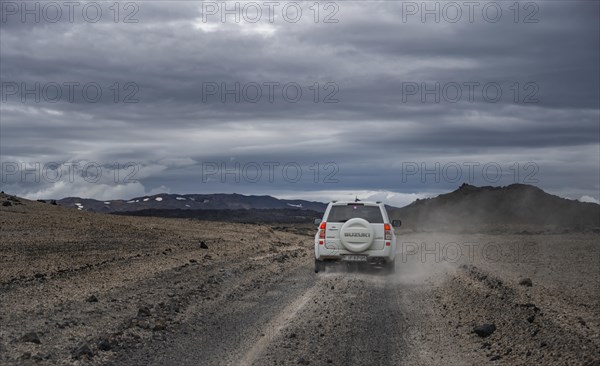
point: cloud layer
(385, 87)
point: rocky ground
(83, 288)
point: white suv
(356, 232)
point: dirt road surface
(79, 288)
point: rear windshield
(344, 213)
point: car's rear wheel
(319, 266)
(390, 267)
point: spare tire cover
(356, 235)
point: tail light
(322, 229)
(387, 231)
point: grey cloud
(369, 54)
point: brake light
(387, 231)
(322, 229)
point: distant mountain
(252, 215)
(471, 208)
(219, 201)
(467, 209)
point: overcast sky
(488, 93)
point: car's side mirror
(396, 223)
(318, 221)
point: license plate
(355, 258)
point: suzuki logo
(360, 235)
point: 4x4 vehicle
(356, 232)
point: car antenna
(356, 199)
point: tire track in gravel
(274, 328)
(350, 319)
(229, 330)
(331, 318)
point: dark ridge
(284, 216)
(219, 201)
(470, 208)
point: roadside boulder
(484, 330)
(92, 298)
(104, 345)
(143, 312)
(531, 318)
(82, 350)
(526, 282)
(282, 257)
(31, 337)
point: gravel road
(300, 318)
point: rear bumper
(370, 260)
(387, 254)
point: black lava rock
(143, 312)
(484, 330)
(203, 245)
(104, 345)
(82, 350)
(92, 298)
(526, 282)
(282, 257)
(31, 337)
